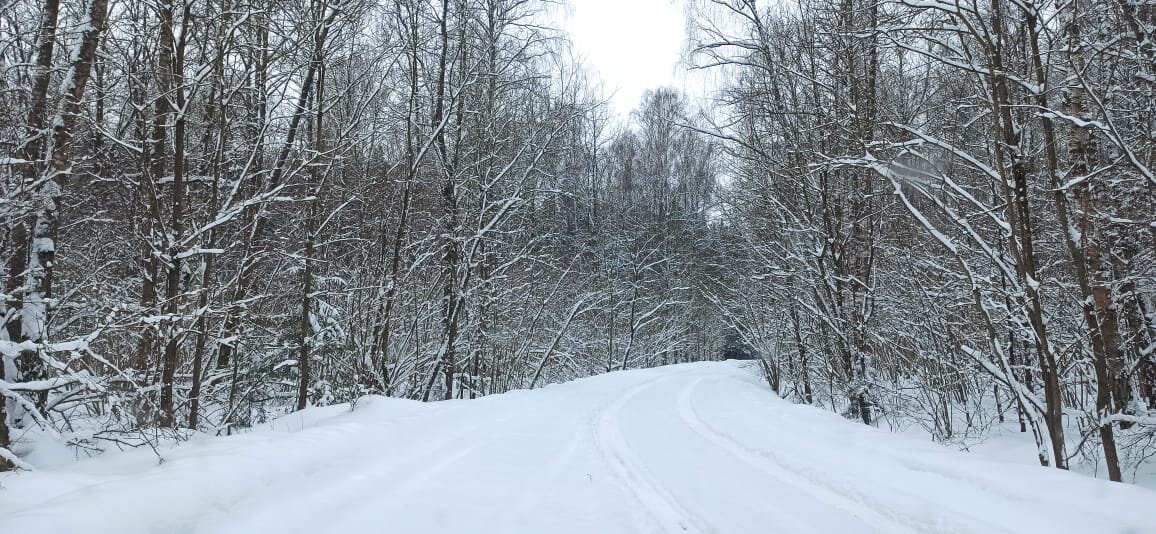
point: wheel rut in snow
(655, 499)
(889, 522)
(381, 477)
(523, 503)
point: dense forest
(914, 212)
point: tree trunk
(173, 83)
(1099, 314)
(42, 250)
(305, 335)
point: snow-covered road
(691, 448)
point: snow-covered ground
(692, 448)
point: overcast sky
(633, 45)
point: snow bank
(690, 448)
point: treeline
(937, 212)
(218, 212)
(946, 210)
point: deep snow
(691, 448)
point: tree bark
(173, 83)
(42, 250)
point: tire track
(533, 494)
(381, 478)
(670, 516)
(889, 522)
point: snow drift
(691, 448)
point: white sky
(632, 45)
